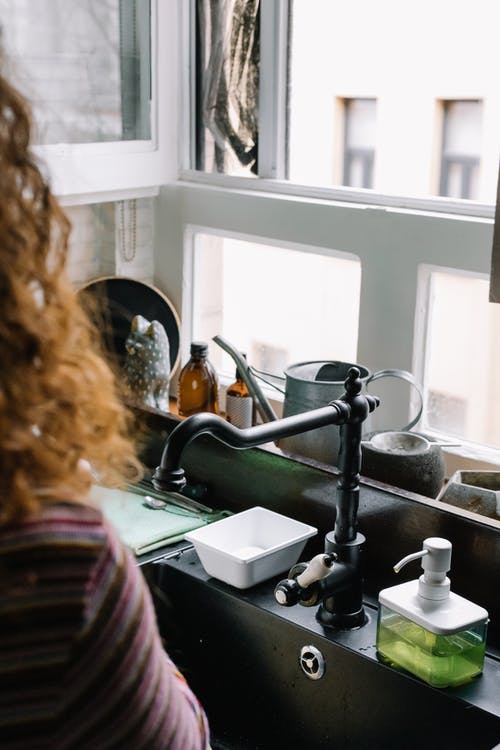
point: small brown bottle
(239, 403)
(198, 383)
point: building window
(359, 142)
(461, 149)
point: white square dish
(251, 546)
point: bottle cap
(199, 347)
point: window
(309, 65)
(270, 77)
(461, 149)
(91, 71)
(85, 67)
(273, 303)
(359, 142)
(228, 87)
(461, 358)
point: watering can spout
(264, 408)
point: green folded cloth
(144, 529)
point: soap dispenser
(425, 628)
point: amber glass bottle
(198, 383)
(239, 403)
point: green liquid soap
(440, 660)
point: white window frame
(93, 172)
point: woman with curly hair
(81, 659)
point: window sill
(340, 195)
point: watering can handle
(403, 375)
(260, 375)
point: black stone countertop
(233, 640)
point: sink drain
(312, 662)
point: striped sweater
(81, 660)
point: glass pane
(408, 59)
(453, 187)
(462, 353)
(227, 91)
(462, 131)
(84, 65)
(360, 123)
(273, 303)
(354, 172)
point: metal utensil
(146, 489)
(154, 502)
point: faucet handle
(372, 401)
(287, 592)
(293, 589)
(318, 567)
(353, 383)
(353, 389)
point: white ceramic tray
(251, 546)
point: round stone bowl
(404, 459)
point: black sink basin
(251, 662)
(242, 652)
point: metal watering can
(311, 385)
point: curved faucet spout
(340, 591)
(169, 475)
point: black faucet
(335, 578)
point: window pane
(360, 123)
(461, 149)
(273, 303)
(359, 149)
(354, 171)
(84, 65)
(462, 128)
(461, 359)
(227, 90)
(373, 49)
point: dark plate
(115, 300)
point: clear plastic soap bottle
(198, 383)
(239, 403)
(428, 630)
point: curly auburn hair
(59, 400)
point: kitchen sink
(274, 677)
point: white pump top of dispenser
(436, 562)
(429, 601)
